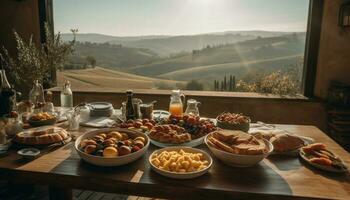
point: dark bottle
(7, 95)
(130, 113)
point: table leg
(58, 193)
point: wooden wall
(22, 16)
(334, 52)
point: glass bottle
(176, 105)
(67, 95)
(36, 95)
(130, 112)
(7, 95)
(192, 107)
(3, 136)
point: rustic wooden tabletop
(277, 177)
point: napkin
(99, 122)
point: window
(212, 45)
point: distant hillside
(101, 38)
(165, 45)
(103, 78)
(210, 72)
(241, 52)
(208, 57)
(112, 56)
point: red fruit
(185, 117)
(127, 142)
(13, 114)
(124, 150)
(130, 121)
(138, 120)
(209, 126)
(191, 120)
(153, 122)
(144, 121)
(123, 125)
(138, 124)
(158, 128)
(135, 148)
(130, 125)
(149, 125)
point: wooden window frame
(311, 45)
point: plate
(159, 115)
(322, 167)
(307, 141)
(192, 143)
(187, 175)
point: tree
(194, 85)
(91, 61)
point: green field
(105, 78)
(133, 62)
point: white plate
(187, 175)
(325, 168)
(117, 161)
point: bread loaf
(41, 136)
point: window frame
(313, 33)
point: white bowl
(192, 143)
(117, 161)
(187, 175)
(238, 160)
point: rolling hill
(165, 45)
(209, 73)
(135, 62)
(105, 78)
(238, 53)
(112, 56)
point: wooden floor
(10, 191)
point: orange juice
(176, 109)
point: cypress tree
(225, 84)
(233, 83)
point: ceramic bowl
(29, 153)
(187, 175)
(117, 161)
(37, 123)
(238, 160)
(192, 143)
(229, 126)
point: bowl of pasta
(180, 162)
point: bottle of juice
(176, 105)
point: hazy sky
(178, 17)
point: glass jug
(192, 107)
(176, 105)
(36, 95)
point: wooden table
(275, 178)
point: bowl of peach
(112, 146)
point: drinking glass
(73, 121)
